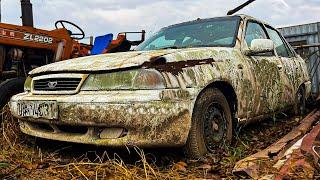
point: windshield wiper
(170, 47)
(183, 47)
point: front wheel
(211, 124)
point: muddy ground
(27, 157)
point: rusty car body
(154, 96)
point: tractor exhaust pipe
(233, 11)
(27, 14)
(0, 11)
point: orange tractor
(23, 48)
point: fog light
(113, 133)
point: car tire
(300, 103)
(211, 124)
(9, 88)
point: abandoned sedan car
(188, 85)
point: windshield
(202, 33)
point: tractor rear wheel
(9, 88)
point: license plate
(38, 109)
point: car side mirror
(260, 46)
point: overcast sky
(98, 17)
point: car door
(290, 68)
(266, 69)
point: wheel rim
(214, 127)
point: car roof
(242, 16)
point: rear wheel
(211, 124)
(300, 104)
(9, 88)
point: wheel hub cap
(214, 127)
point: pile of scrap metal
(296, 155)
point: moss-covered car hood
(129, 59)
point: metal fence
(306, 41)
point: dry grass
(20, 157)
(25, 157)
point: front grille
(70, 129)
(41, 126)
(73, 129)
(56, 84)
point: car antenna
(235, 10)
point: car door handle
(280, 67)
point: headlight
(125, 80)
(27, 84)
(148, 79)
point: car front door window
(254, 31)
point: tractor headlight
(27, 84)
(125, 80)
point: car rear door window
(281, 48)
(254, 31)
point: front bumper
(152, 118)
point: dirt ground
(26, 157)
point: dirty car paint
(162, 116)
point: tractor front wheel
(9, 88)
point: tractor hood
(107, 62)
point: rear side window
(254, 31)
(281, 48)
